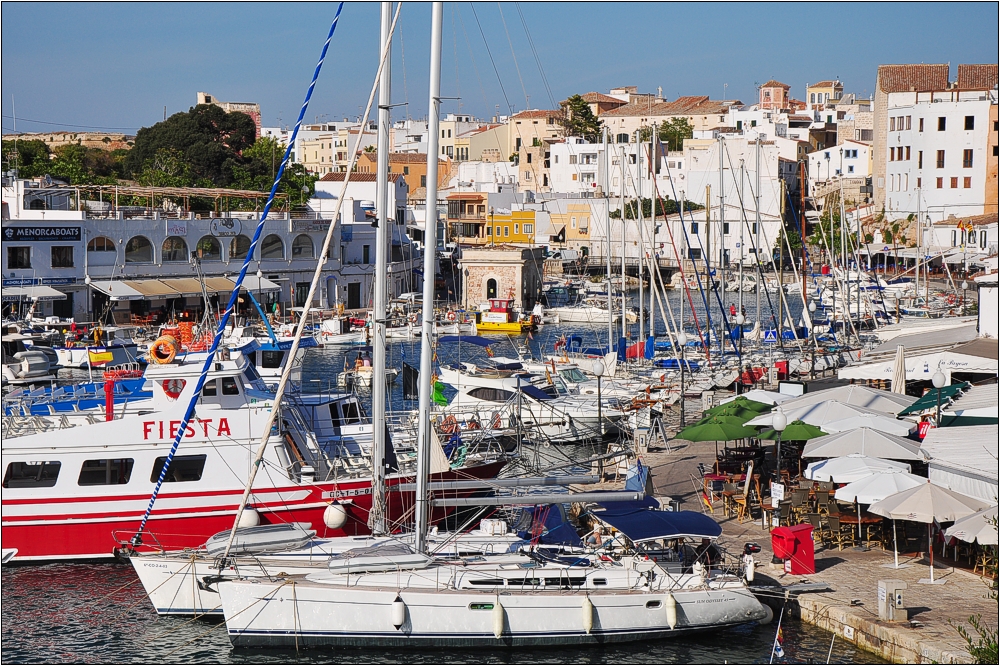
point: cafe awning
(32, 293)
(138, 290)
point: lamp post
(682, 340)
(812, 334)
(740, 320)
(778, 422)
(938, 381)
(598, 369)
(965, 287)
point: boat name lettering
(155, 566)
(354, 492)
(165, 429)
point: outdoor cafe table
(867, 521)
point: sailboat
(401, 596)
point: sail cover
(645, 524)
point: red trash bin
(825, 270)
(794, 545)
(782, 367)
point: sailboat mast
(624, 294)
(743, 226)
(607, 227)
(756, 228)
(376, 517)
(430, 247)
(640, 223)
(654, 264)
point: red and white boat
(76, 485)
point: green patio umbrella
(739, 412)
(724, 418)
(796, 431)
(745, 403)
(715, 429)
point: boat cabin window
(106, 472)
(271, 359)
(352, 413)
(182, 468)
(573, 375)
(334, 415)
(230, 386)
(491, 394)
(250, 373)
(31, 474)
(210, 389)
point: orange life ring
(497, 422)
(451, 316)
(163, 350)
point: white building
(477, 176)
(936, 154)
(851, 159)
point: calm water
(99, 614)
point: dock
(850, 606)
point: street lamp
(965, 287)
(938, 381)
(778, 422)
(598, 369)
(740, 320)
(682, 340)
(812, 333)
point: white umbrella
(980, 526)
(867, 442)
(859, 396)
(817, 414)
(886, 424)
(876, 487)
(760, 395)
(928, 503)
(899, 371)
(850, 468)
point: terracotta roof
(357, 177)
(974, 220)
(597, 97)
(977, 77)
(775, 84)
(901, 78)
(824, 84)
(682, 106)
(411, 158)
(468, 195)
(536, 113)
(479, 130)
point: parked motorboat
(24, 365)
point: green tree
(674, 131)
(78, 164)
(167, 168)
(31, 158)
(209, 140)
(259, 166)
(663, 207)
(827, 233)
(581, 121)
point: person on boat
(708, 553)
(732, 310)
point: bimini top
(641, 523)
(470, 339)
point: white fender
(750, 569)
(588, 614)
(398, 612)
(671, 605)
(334, 516)
(249, 518)
(498, 619)
(768, 615)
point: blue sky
(116, 65)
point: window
(423, 180)
(238, 247)
(966, 159)
(725, 228)
(907, 153)
(138, 250)
(101, 244)
(174, 249)
(940, 159)
(892, 124)
(694, 227)
(302, 247)
(556, 158)
(271, 359)
(529, 228)
(210, 389)
(572, 223)
(229, 386)
(942, 124)
(491, 394)
(182, 468)
(366, 252)
(208, 248)
(31, 474)
(908, 119)
(920, 159)
(954, 183)
(940, 183)
(572, 159)
(812, 98)
(62, 256)
(970, 122)
(109, 472)
(529, 158)
(967, 182)
(919, 182)
(506, 231)
(489, 231)
(517, 229)
(753, 228)
(694, 253)
(850, 169)
(272, 247)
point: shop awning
(152, 289)
(138, 290)
(32, 293)
(184, 286)
(921, 367)
(118, 291)
(254, 283)
(930, 399)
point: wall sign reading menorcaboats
(50, 234)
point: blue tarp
(470, 339)
(549, 522)
(675, 364)
(534, 392)
(643, 524)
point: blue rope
(233, 298)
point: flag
(490, 353)
(410, 384)
(99, 355)
(438, 395)
(779, 651)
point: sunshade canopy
(980, 526)
(876, 487)
(138, 290)
(761, 396)
(724, 418)
(644, 524)
(742, 402)
(860, 396)
(715, 430)
(817, 414)
(866, 442)
(930, 399)
(33, 293)
(849, 468)
(928, 503)
(796, 431)
(886, 424)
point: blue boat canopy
(470, 339)
(640, 523)
(534, 392)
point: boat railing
(22, 425)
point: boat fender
(249, 518)
(768, 615)
(334, 516)
(398, 611)
(750, 569)
(671, 605)
(588, 615)
(163, 350)
(498, 619)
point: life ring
(952, 299)
(451, 316)
(163, 350)
(449, 425)
(496, 423)
(412, 318)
